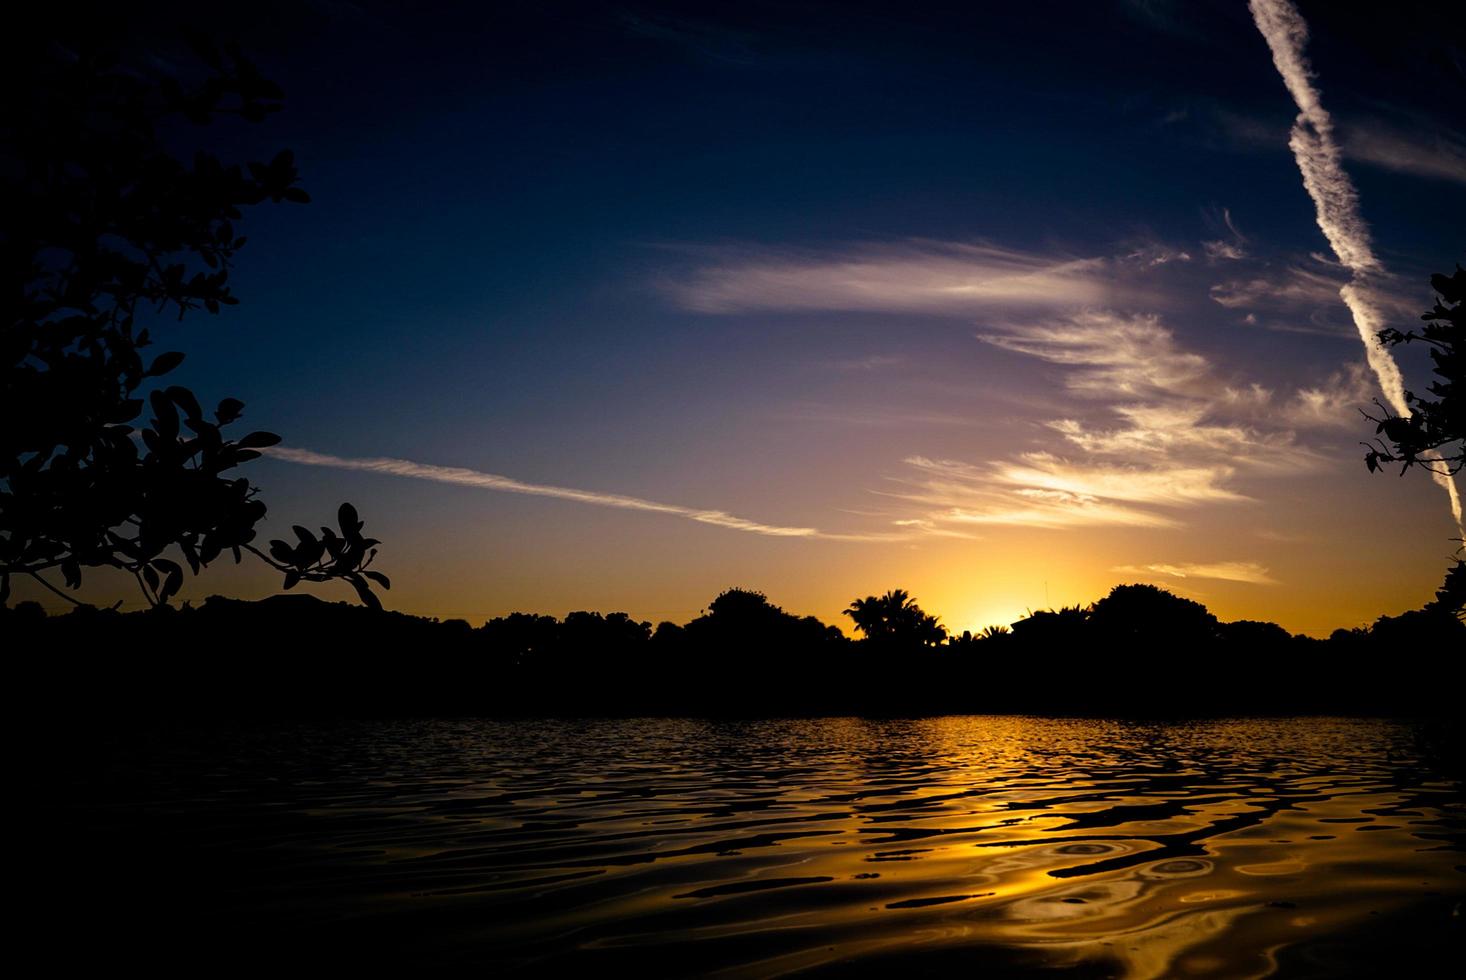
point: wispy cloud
(492, 481)
(1174, 430)
(1048, 491)
(1178, 434)
(1220, 250)
(919, 276)
(1290, 287)
(878, 417)
(1036, 474)
(1331, 403)
(1112, 354)
(1427, 150)
(1228, 571)
(1407, 142)
(870, 362)
(1230, 248)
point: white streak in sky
(1227, 571)
(1335, 201)
(491, 481)
(920, 277)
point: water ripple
(685, 847)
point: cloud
(878, 417)
(1047, 491)
(871, 362)
(1112, 353)
(1428, 148)
(1336, 203)
(1312, 140)
(1153, 254)
(491, 481)
(1335, 402)
(1224, 250)
(1171, 430)
(1041, 474)
(1293, 287)
(1439, 155)
(1177, 435)
(1218, 251)
(1227, 571)
(920, 277)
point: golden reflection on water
(766, 847)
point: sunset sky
(613, 307)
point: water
(673, 847)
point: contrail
(492, 481)
(1336, 203)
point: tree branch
(74, 602)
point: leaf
(174, 580)
(258, 440)
(282, 552)
(365, 592)
(185, 400)
(190, 555)
(126, 411)
(167, 416)
(150, 576)
(71, 572)
(379, 578)
(291, 579)
(229, 409)
(347, 519)
(164, 363)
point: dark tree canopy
(895, 619)
(1433, 436)
(105, 229)
(1149, 614)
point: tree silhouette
(104, 228)
(1148, 615)
(895, 618)
(1433, 436)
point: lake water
(674, 847)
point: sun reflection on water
(762, 847)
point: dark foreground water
(670, 847)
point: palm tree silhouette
(895, 618)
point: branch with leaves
(347, 556)
(1433, 435)
(104, 227)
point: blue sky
(848, 269)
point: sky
(614, 307)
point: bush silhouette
(105, 228)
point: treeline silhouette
(1139, 651)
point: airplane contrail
(505, 484)
(1336, 202)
